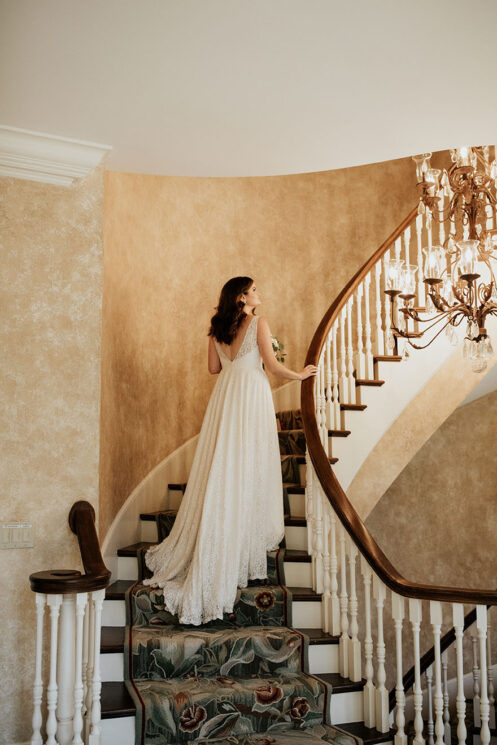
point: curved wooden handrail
(355, 527)
(68, 581)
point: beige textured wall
(437, 521)
(170, 244)
(51, 289)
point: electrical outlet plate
(16, 535)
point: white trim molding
(42, 157)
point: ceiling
(251, 87)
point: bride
(231, 513)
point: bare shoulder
(262, 325)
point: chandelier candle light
(463, 202)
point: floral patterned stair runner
(238, 681)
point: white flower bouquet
(278, 349)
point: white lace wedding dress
(231, 513)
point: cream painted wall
(436, 522)
(51, 290)
(170, 244)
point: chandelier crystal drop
(458, 272)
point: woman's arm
(271, 363)
(213, 361)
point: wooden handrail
(68, 581)
(329, 482)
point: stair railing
(75, 600)
(352, 337)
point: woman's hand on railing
(308, 371)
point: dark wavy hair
(229, 312)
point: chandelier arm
(417, 346)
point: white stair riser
(350, 420)
(114, 613)
(297, 504)
(365, 394)
(296, 536)
(306, 614)
(118, 731)
(298, 574)
(346, 707)
(112, 666)
(323, 658)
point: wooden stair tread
(304, 594)
(116, 701)
(293, 520)
(294, 554)
(293, 488)
(339, 684)
(318, 636)
(353, 407)
(112, 639)
(369, 382)
(387, 358)
(117, 589)
(132, 550)
(338, 432)
(368, 735)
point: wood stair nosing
(338, 432)
(373, 382)
(387, 358)
(132, 550)
(112, 638)
(292, 487)
(291, 520)
(353, 407)
(341, 685)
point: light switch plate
(16, 535)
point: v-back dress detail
(231, 513)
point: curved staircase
(330, 647)
(148, 663)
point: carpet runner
(241, 680)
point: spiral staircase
(388, 657)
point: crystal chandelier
(462, 201)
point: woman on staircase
(231, 513)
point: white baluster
(407, 243)
(344, 397)
(382, 707)
(84, 667)
(350, 353)
(310, 514)
(389, 315)
(421, 284)
(318, 535)
(65, 672)
(415, 610)
(330, 417)
(398, 248)
(361, 357)
(355, 672)
(81, 601)
(369, 688)
(36, 738)
(476, 677)
(400, 699)
(481, 625)
(90, 621)
(491, 688)
(429, 721)
(54, 602)
(97, 601)
(458, 621)
(367, 313)
(323, 429)
(325, 601)
(343, 649)
(336, 397)
(446, 714)
(436, 624)
(380, 337)
(335, 600)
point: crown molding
(48, 158)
